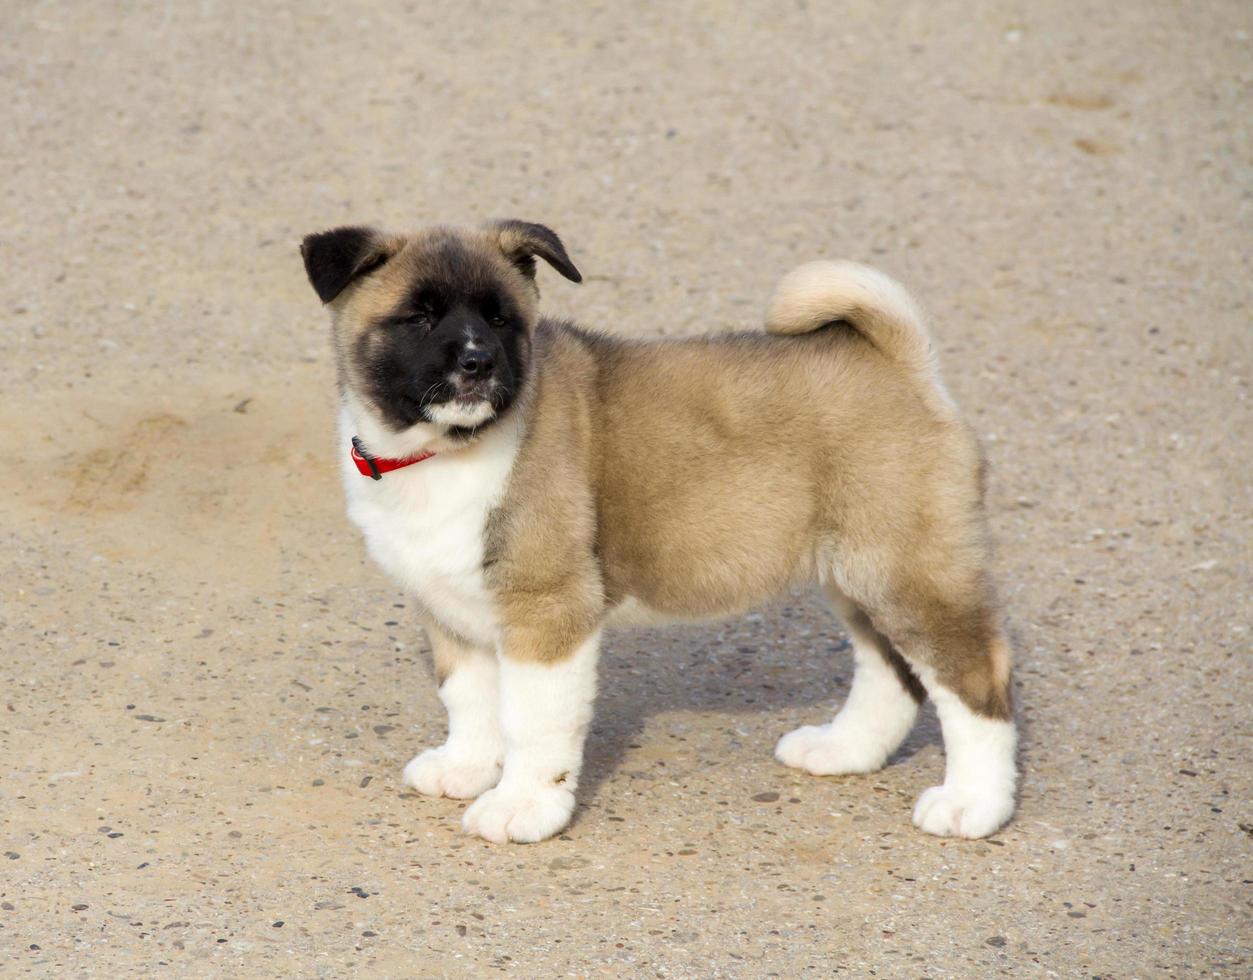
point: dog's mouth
(469, 392)
(459, 394)
(462, 412)
(456, 401)
(467, 403)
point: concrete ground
(209, 692)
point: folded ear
(337, 257)
(522, 241)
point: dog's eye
(498, 320)
(424, 315)
(424, 312)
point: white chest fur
(425, 524)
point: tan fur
(702, 477)
(542, 540)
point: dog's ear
(522, 241)
(337, 257)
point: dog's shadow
(792, 655)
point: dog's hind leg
(875, 718)
(963, 660)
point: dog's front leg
(545, 710)
(468, 763)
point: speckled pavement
(209, 692)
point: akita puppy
(531, 482)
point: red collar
(376, 466)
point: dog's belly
(631, 612)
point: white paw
(828, 750)
(525, 814)
(439, 772)
(951, 812)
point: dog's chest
(425, 525)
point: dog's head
(433, 330)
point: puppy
(531, 482)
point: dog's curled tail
(875, 305)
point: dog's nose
(475, 362)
